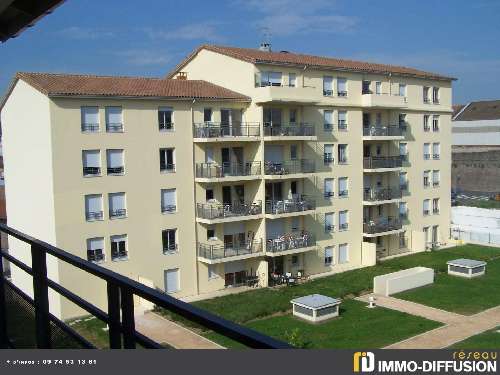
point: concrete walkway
(456, 327)
(165, 331)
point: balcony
(373, 196)
(371, 100)
(391, 132)
(278, 93)
(213, 172)
(382, 163)
(289, 207)
(382, 226)
(212, 254)
(290, 243)
(115, 127)
(91, 171)
(302, 131)
(288, 169)
(218, 132)
(212, 213)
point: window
(435, 150)
(435, 123)
(329, 222)
(95, 249)
(426, 234)
(342, 87)
(90, 119)
(378, 88)
(328, 187)
(172, 280)
(328, 86)
(168, 240)
(402, 89)
(119, 247)
(427, 151)
(295, 224)
(117, 207)
(165, 115)
(343, 253)
(93, 207)
(342, 150)
(293, 116)
(211, 234)
(436, 177)
(403, 210)
(403, 151)
(168, 200)
(427, 203)
(427, 181)
(426, 123)
(295, 260)
(342, 120)
(378, 119)
(343, 188)
(328, 119)
(426, 90)
(115, 162)
(270, 79)
(293, 188)
(114, 121)
(167, 163)
(328, 154)
(435, 206)
(343, 220)
(403, 180)
(365, 89)
(435, 95)
(293, 152)
(402, 120)
(328, 256)
(207, 115)
(292, 79)
(211, 268)
(402, 240)
(209, 194)
(91, 162)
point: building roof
(469, 263)
(256, 56)
(480, 110)
(315, 301)
(55, 85)
(456, 109)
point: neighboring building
(476, 148)
(311, 164)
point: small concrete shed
(316, 307)
(466, 267)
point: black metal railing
(381, 194)
(284, 206)
(220, 130)
(166, 126)
(376, 162)
(213, 211)
(170, 248)
(115, 170)
(214, 170)
(119, 315)
(93, 215)
(289, 167)
(383, 131)
(280, 130)
(290, 241)
(167, 167)
(90, 128)
(115, 127)
(213, 252)
(342, 125)
(114, 214)
(168, 208)
(91, 171)
(382, 225)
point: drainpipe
(303, 77)
(194, 200)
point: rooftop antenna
(265, 45)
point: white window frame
(91, 161)
(343, 224)
(327, 86)
(93, 215)
(114, 119)
(342, 87)
(92, 247)
(292, 79)
(347, 255)
(329, 188)
(115, 162)
(117, 239)
(329, 256)
(343, 192)
(163, 125)
(168, 207)
(92, 126)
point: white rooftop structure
(315, 307)
(466, 267)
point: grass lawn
(93, 331)
(486, 340)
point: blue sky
(148, 37)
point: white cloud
(206, 31)
(82, 33)
(144, 57)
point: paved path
(457, 327)
(163, 330)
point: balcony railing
(166, 126)
(48, 331)
(285, 206)
(220, 130)
(115, 214)
(214, 170)
(342, 125)
(376, 162)
(90, 128)
(170, 248)
(166, 208)
(382, 225)
(214, 252)
(91, 171)
(279, 130)
(376, 194)
(115, 127)
(167, 168)
(383, 131)
(289, 167)
(213, 211)
(290, 241)
(94, 215)
(115, 170)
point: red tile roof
(256, 56)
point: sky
(147, 38)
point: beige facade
(292, 181)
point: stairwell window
(436, 178)
(328, 86)
(427, 207)
(328, 154)
(328, 255)
(329, 222)
(90, 119)
(292, 79)
(119, 247)
(169, 242)
(427, 127)
(343, 187)
(167, 162)
(165, 119)
(342, 151)
(117, 206)
(114, 120)
(343, 220)
(168, 200)
(342, 120)
(343, 253)
(328, 188)
(436, 150)
(95, 250)
(93, 207)
(427, 151)
(435, 123)
(115, 162)
(328, 120)
(91, 160)
(342, 87)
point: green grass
(486, 340)
(479, 203)
(93, 331)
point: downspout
(303, 76)
(194, 201)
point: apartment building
(216, 178)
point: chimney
(265, 46)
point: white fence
(400, 281)
(479, 237)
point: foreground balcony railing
(373, 195)
(213, 211)
(376, 162)
(386, 224)
(214, 170)
(215, 252)
(276, 207)
(49, 331)
(289, 167)
(280, 130)
(383, 131)
(219, 130)
(290, 241)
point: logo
(364, 362)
